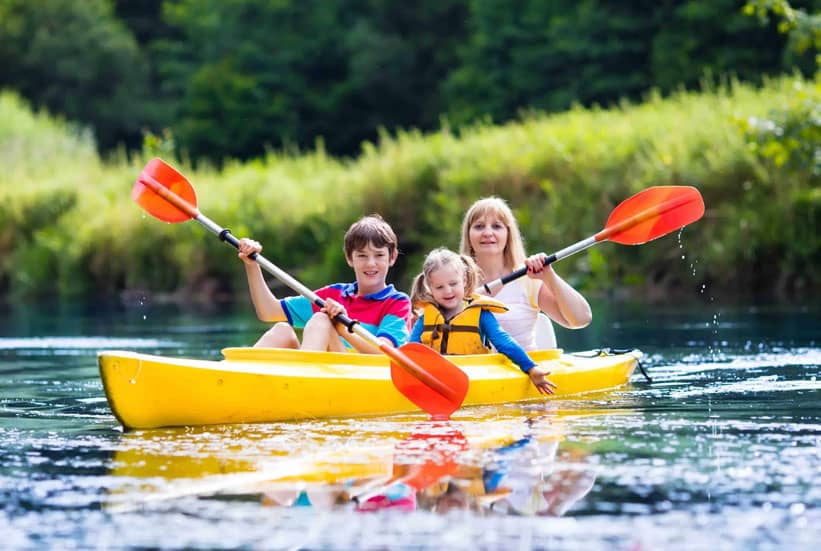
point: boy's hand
(538, 376)
(247, 247)
(333, 308)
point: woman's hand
(538, 376)
(248, 247)
(536, 267)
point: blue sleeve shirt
(416, 333)
(502, 341)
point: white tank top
(522, 299)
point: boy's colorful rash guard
(385, 314)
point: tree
(804, 28)
(711, 37)
(77, 59)
(253, 74)
(548, 55)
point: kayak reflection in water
(431, 453)
(434, 469)
(525, 480)
(522, 477)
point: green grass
(69, 228)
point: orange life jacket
(460, 334)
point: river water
(720, 451)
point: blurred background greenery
(294, 118)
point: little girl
(456, 320)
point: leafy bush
(69, 227)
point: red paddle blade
(438, 368)
(426, 458)
(652, 213)
(158, 174)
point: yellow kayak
(257, 385)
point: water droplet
(133, 381)
(797, 509)
(144, 316)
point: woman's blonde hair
(439, 258)
(495, 207)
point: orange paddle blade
(149, 193)
(424, 458)
(425, 396)
(652, 213)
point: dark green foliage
(236, 78)
(712, 37)
(789, 143)
(254, 74)
(78, 59)
(548, 55)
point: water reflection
(720, 452)
(523, 477)
(524, 466)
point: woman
(490, 234)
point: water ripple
(71, 344)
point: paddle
(645, 216)
(438, 388)
(429, 454)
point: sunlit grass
(68, 225)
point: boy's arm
(365, 347)
(395, 321)
(392, 328)
(416, 333)
(266, 305)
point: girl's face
(488, 236)
(447, 285)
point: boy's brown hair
(370, 230)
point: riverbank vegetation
(232, 78)
(68, 227)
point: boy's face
(371, 264)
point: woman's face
(488, 236)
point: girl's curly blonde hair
(436, 259)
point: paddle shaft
(352, 325)
(624, 225)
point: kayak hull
(257, 385)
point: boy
(370, 249)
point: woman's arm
(557, 298)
